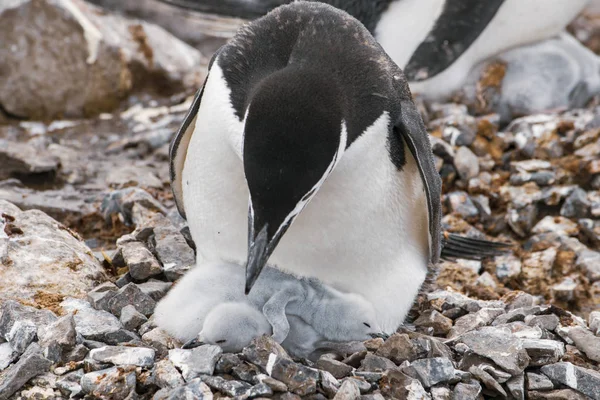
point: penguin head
(232, 326)
(294, 135)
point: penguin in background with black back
(304, 150)
(435, 42)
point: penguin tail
(456, 246)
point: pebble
(589, 262)
(230, 388)
(155, 289)
(7, 355)
(594, 322)
(329, 384)
(274, 384)
(90, 323)
(12, 311)
(398, 348)
(196, 361)
(471, 322)
(31, 364)
(467, 391)
(101, 294)
(487, 380)
(581, 379)
(69, 385)
(59, 338)
(195, 389)
(336, 368)
(397, 385)
(576, 205)
(586, 341)
(538, 382)
(373, 363)
(141, 262)
(348, 391)
(22, 333)
(440, 324)
(543, 351)
(171, 248)
(115, 382)
(431, 371)
(507, 267)
(548, 322)
(562, 394)
(131, 319)
(498, 345)
(559, 225)
(516, 387)
(165, 375)
(299, 379)
(160, 341)
(466, 163)
(121, 355)
(131, 294)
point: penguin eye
(221, 341)
(367, 325)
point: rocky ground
(90, 241)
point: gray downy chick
(335, 315)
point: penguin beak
(190, 344)
(258, 254)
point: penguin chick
(232, 326)
(335, 315)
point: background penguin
(305, 149)
(435, 42)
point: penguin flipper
(410, 125)
(456, 246)
(229, 8)
(180, 143)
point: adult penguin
(305, 149)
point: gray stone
(131, 294)
(329, 384)
(7, 355)
(171, 248)
(543, 351)
(141, 262)
(565, 290)
(90, 323)
(441, 393)
(576, 205)
(397, 385)
(500, 346)
(559, 225)
(517, 314)
(516, 387)
(165, 375)
(467, 391)
(21, 335)
(398, 348)
(101, 294)
(194, 390)
(12, 311)
(461, 204)
(160, 341)
(245, 372)
(487, 380)
(121, 355)
(581, 379)
(440, 324)
(373, 363)
(115, 382)
(586, 341)
(155, 289)
(548, 322)
(197, 361)
(260, 349)
(362, 384)
(562, 394)
(131, 319)
(230, 388)
(299, 379)
(508, 267)
(466, 163)
(538, 382)
(278, 386)
(59, 338)
(25, 159)
(31, 364)
(588, 261)
(591, 229)
(348, 391)
(431, 371)
(594, 322)
(471, 322)
(69, 385)
(68, 267)
(338, 369)
(259, 390)
(541, 178)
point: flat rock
(228, 387)
(197, 361)
(581, 379)
(538, 382)
(32, 363)
(398, 348)
(59, 338)
(467, 391)
(131, 319)
(431, 371)
(543, 351)
(263, 349)
(25, 159)
(44, 259)
(165, 375)
(90, 323)
(299, 379)
(440, 324)
(500, 346)
(516, 387)
(562, 394)
(337, 368)
(155, 289)
(121, 355)
(586, 341)
(373, 363)
(131, 294)
(115, 382)
(470, 322)
(99, 296)
(95, 61)
(195, 389)
(22, 333)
